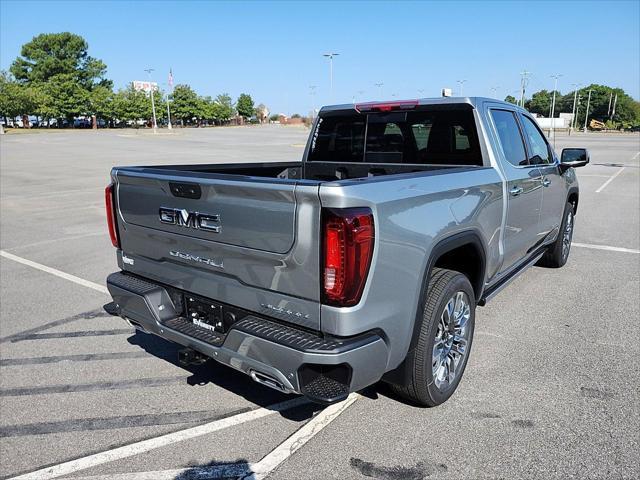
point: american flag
(170, 78)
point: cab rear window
(441, 137)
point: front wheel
(444, 340)
(558, 253)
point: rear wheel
(558, 253)
(444, 341)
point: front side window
(510, 138)
(540, 153)
(441, 137)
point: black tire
(422, 389)
(556, 256)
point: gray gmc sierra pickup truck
(363, 262)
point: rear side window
(441, 137)
(510, 138)
(539, 149)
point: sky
(274, 50)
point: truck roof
(472, 101)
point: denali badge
(284, 311)
(197, 258)
(184, 218)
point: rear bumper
(325, 369)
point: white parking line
(296, 441)
(56, 272)
(604, 185)
(605, 247)
(157, 442)
(247, 471)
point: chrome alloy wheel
(567, 235)
(451, 341)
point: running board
(512, 276)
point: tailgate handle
(185, 190)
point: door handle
(546, 182)
(515, 191)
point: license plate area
(205, 314)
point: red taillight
(387, 106)
(348, 236)
(111, 215)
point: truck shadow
(212, 372)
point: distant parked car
(20, 124)
(64, 123)
(82, 123)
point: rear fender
(401, 374)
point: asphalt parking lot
(551, 389)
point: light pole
(573, 110)
(379, 85)
(553, 102)
(586, 112)
(523, 86)
(494, 91)
(330, 57)
(312, 92)
(153, 105)
(461, 83)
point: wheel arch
(443, 255)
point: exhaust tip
(136, 325)
(268, 381)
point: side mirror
(574, 157)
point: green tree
(224, 110)
(15, 99)
(62, 75)
(130, 104)
(511, 99)
(185, 104)
(540, 103)
(627, 110)
(63, 97)
(52, 54)
(245, 106)
(101, 103)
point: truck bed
(311, 171)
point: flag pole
(168, 112)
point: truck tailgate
(252, 244)
(250, 214)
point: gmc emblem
(184, 218)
